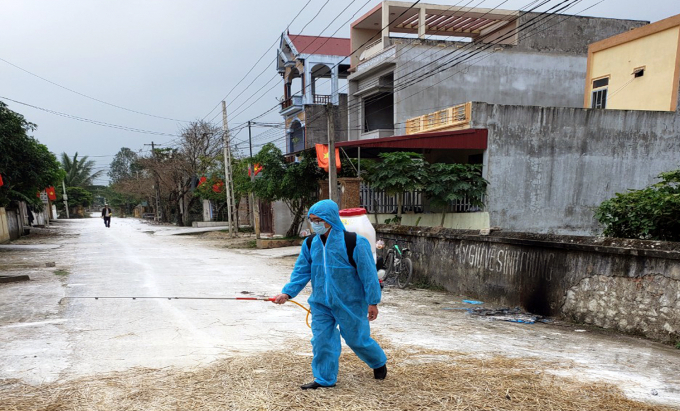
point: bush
(652, 213)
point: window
(602, 82)
(639, 72)
(599, 98)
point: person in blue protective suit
(342, 295)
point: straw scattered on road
(418, 379)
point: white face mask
(319, 228)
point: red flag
(322, 156)
(217, 187)
(51, 194)
(202, 180)
(257, 168)
(1, 183)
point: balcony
(452, 118)
(371, 50)
(291, 105)
(322, 99)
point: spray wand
(309, 312)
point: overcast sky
(175, 59)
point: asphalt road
(45, 337)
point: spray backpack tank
(356, 220)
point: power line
(352, 52)
(317, 48)
(357, 105)
(87, 120)
(256, 63)
(89, 97)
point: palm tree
(78, 171)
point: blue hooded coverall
(340, 296)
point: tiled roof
(327, 46)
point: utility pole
(159, 215)
(332, 170)
(227, 169)
(63, 185)
(254, 206)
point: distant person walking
(106, 214)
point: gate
(266, 220)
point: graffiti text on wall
(506, 261)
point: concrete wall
(546, 68)
(282, 217)
(568, 34)
(459, 221)
(316, 123)
(507, 76)
(4, 226)
(634, 288)
(549, 167)
(15, 226)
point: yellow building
(636, 70)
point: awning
(468, 139)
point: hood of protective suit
(328, 211)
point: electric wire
(254, 65)
(275, 77)
(358, 104)
(267, 67)
(390, 23)
(89, 97)
(352, 52)
(87, 120)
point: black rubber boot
(380, 373)
(314, 385)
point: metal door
(266, 220)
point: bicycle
(398, 263)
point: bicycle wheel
(405, 273)
(389, 264)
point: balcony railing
(452, 118)
(291, 102)
(371, 50)
(322, 99)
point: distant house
(411, 61)
(312, 68)
(636, 70)
(512, 99)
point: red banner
(1, 183)
(51, 194)
(322, 157)
(256, 168)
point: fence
(456, 117)
(322, 99)
(378, 201)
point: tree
(397, 172)
(450, 182)
(77, 197)
(26, 165)
(293, 183)
(213, 188)
(652, 213)
(124, 165)
(175, 169)
(79, 172)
